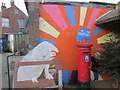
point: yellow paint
(105, 38)
(83, 11)
(46, 27)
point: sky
(21, 5)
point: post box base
(84, 84)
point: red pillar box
(84, 57)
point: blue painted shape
(70, 11)
(42, 40)
(83, 34)
(98, 30)
(65, 76)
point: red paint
(84, 52)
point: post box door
(86, 67)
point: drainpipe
(8, 69)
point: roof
(6, 12)
(110, 16)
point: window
(5, 22)
(22, 23)
(16, 11)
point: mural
(42, 40)
(66, 26)
(83, 34)
(42, 52)
(70, 11)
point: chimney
(12, 2)
(2, 3)
(3, 6)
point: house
(14, 23)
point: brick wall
(0, 25)
(33, 23)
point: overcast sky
(20, 3)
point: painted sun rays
(55, 13)
(93, 17)
(83, 11)
(71, 16)
(46, 27)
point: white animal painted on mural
(45, 51)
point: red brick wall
(0, 25)
(33, 23)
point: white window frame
(5, 22)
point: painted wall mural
(83, 34)
(70, 11)
(65, 26)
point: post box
(84, 57)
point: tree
(109, 57)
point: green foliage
(109, 58)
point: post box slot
(86, 52)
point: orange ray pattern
(66, 42)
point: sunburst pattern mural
(65, 26)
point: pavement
(4, 71)
(0, 71)
(5, 84)
(102, 84)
